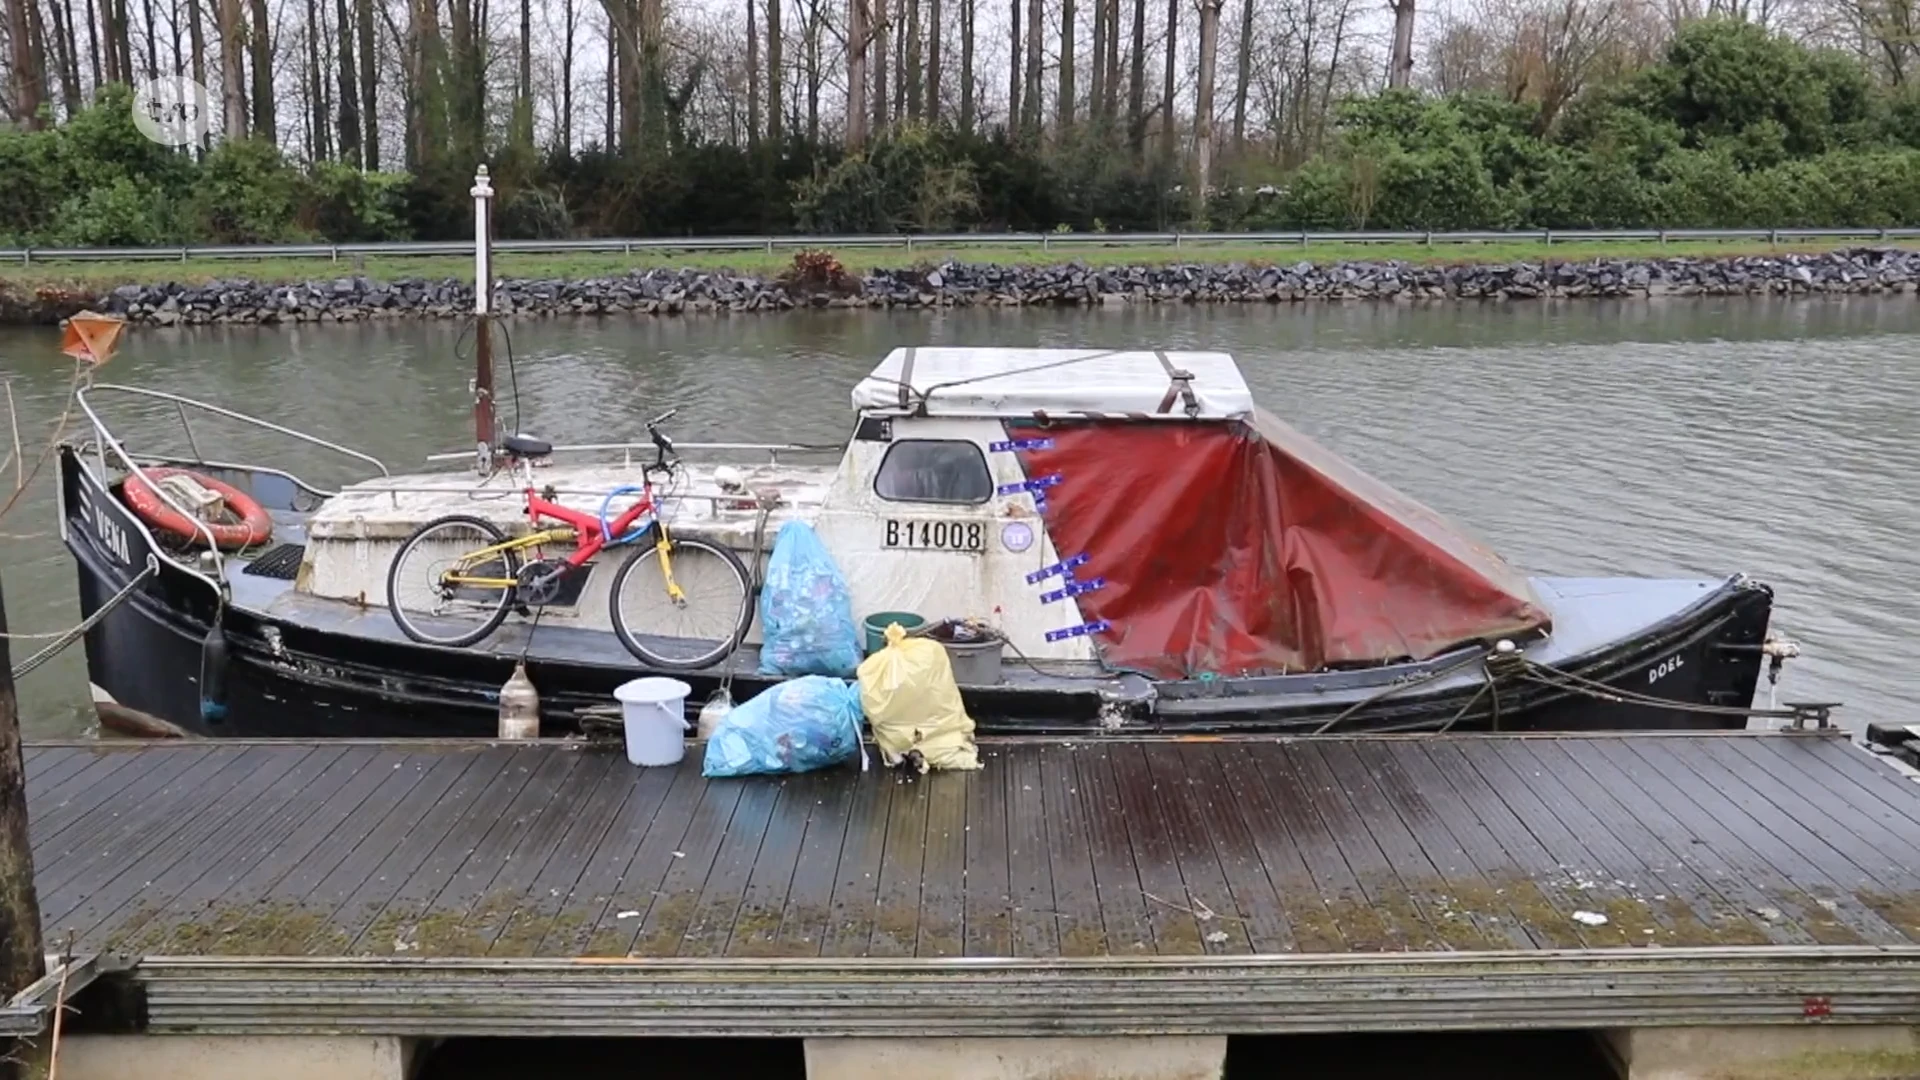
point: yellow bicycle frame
(480, 555)
(661, 549)
(661, 545)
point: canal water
(1687, 436)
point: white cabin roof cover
(1057, 382)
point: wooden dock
(1166, 887)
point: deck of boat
(1780, 866)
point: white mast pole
(483, 419)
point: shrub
(246, 193)
(345, 204)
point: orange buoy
(254, 526)
(91, 337)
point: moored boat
(1151, 551)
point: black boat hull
(147, 659)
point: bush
(347, 205)
(246, 193)
(123, 212)
(910, 181)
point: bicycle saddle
(526, 446)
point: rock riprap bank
(672, 292)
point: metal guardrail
(910, 242)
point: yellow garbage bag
(910, 697)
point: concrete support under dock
(236, 1057)
(1134, 1058)
(1769, 1052)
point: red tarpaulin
(1236, 548)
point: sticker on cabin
(1016, 536)
(920, 535)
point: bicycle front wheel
(440, 592)
(697, 629)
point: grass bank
(101, 276)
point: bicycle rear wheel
(431, 610)
(688, 634)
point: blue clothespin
(1060, 567)
(1094, 627)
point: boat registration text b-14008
(935, 535)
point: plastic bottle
(519, 706)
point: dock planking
(1102, 848)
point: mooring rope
(1532, 670)
(1499, 666)
(1419, 680)
(68, 637)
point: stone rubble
(674, 292)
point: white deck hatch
(1058, 382)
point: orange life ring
(254, 527)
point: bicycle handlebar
(661, 443)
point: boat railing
(107, 441)
(182, 403)
(716, 497)
(627, 449)
(236, 466)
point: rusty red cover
(1242, 547)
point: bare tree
(1097, 80)
(776, 75)
(816, 25)
(1167, 87)
(569, 30)
(753, 74)
(966, 65)
(1065, 103)
(318, 147)
(933, 61)
(261, 39)
(857, 37)
(1540, 51)
(1462, 57)
(93, 43)
(610, 133)
(369, 83)
(197, 40)
(65, 61)
(1013, 64)
(1137, 83)
(233, 94)
(152, 36)
(1885, 32)
(1400, 67)
(1203, 106)
(1243, 78)
(1560, 45)
(882, 30)
(523, 90)
(898, 24)
(1109, 104)
(912, 78)
(1036, 28)
(28, 78)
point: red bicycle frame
(588, 540)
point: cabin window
(934, 470)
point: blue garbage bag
(798, 726)
(806, 612)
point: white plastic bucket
(655, 710)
